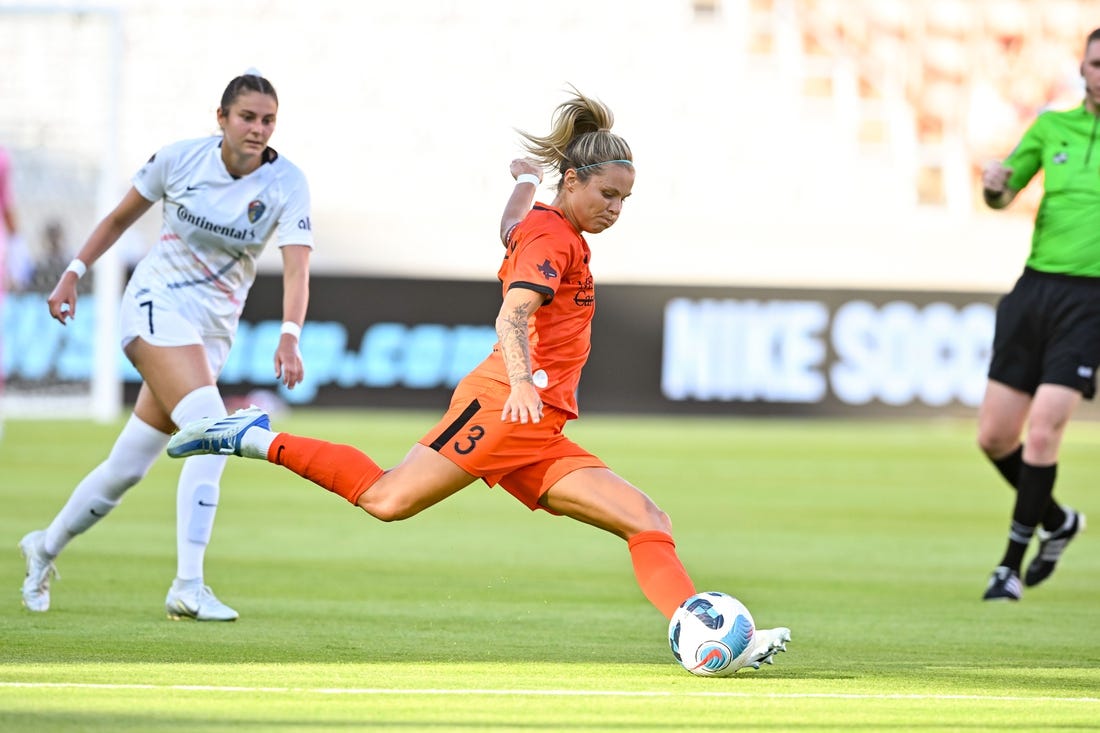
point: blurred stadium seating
(778, 141)
(958, 65)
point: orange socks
(339, 468)
(661, 575)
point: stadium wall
(674, 349)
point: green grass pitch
(871, 540)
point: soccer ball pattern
(711, 634)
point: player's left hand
(995, 176)
(289, 368)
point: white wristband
(527, 178)
(292, 328)
(78, 267)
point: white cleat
(36, 584)
(192, 599)
(767, 643)
(217, 435)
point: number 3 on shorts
(474, 434)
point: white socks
(134, 451)
(202, 402)
(136, 448)
(198, 488)
(256, 442)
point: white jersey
(215, 226)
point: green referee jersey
(1066, 146)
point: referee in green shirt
(1046, 345)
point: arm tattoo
(515, 344)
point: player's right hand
(995, 176)
(523, 404)
(62, 300)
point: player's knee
(119, 476)
(995, 444)
(1043, 440)
(659, 520)
(652, 519)
(388, 507)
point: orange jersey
(547, 255)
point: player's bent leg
(170, 374)
(599, 497)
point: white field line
(541, 693)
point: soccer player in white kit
(223, 198)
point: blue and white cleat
(767, 643)
(217, 435)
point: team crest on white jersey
(256, 209)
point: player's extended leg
(422, 479)
(601, 498)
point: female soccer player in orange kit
(506, 417)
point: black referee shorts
(1048, 332)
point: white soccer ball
(711, 634)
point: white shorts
(162, 318)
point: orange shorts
(524, 459)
